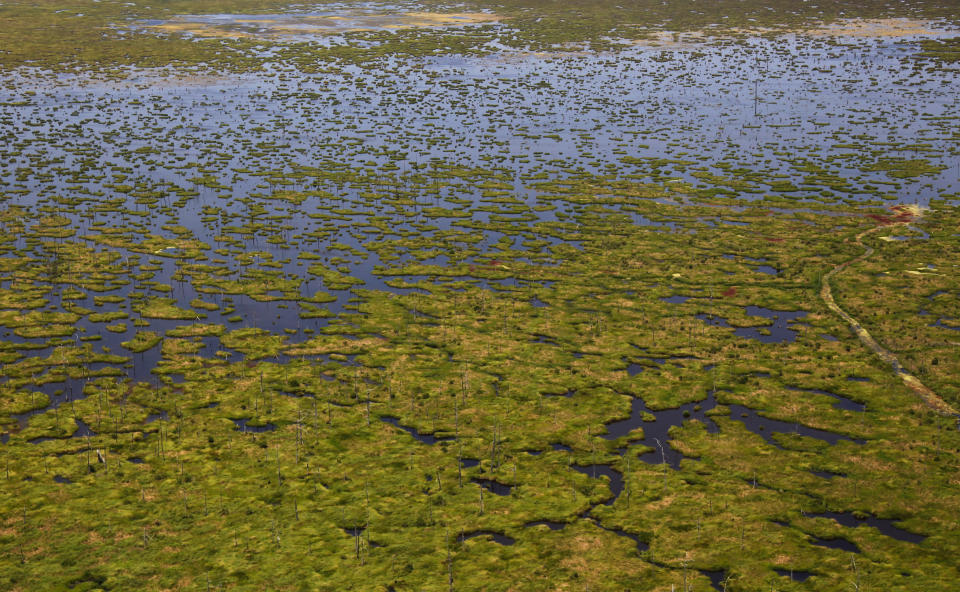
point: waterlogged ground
(512, 304)
(304, 26)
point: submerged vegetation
(592, 297)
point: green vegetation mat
(490, 297)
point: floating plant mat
(275, 26)
(100, 35)
(408, 316)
